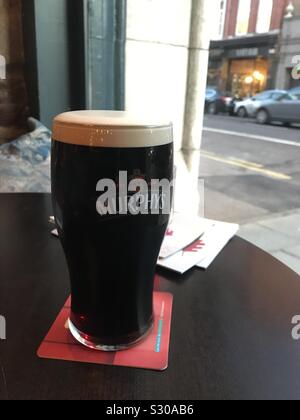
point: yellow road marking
(254, 167)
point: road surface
(250, 171)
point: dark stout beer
(111, 257)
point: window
(219, 16)
(288, 97)
(210, 93)
(243, 17)
(223, 6)
(263, 96)
(276, 96)
(264, 16)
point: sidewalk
(277, 234)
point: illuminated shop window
(243, 17)
(264, 16)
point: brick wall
(253, 16)
(279, 7)
(278, 13)
(231, 18)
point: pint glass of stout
(112, 190)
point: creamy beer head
(114, 129)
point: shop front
(288, 75)
(243, 66)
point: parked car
(285, 109)
(216, 101)
(249, 107)
(295, 92)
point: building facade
(288, 74)
(244, 57)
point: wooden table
(231, 331)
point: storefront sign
(250, 52)
(216, 53)
(244, 53)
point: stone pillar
(157, 59)
(201, 20)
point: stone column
(157, 59)
(201, 21)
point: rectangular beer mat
(152, 353)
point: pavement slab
(222, 207)
(286, 224)
(289, 260)
(294, 251)
(267, 239)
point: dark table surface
(231, 332)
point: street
(254, 173)
(252, 177)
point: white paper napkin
(203, 251)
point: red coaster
(152, 353)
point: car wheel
(263, 117)
(242, 112)
(212, 109)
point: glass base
(93, 343)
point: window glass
(264, 16)
(288, 97)
(263, 96)
(243, 17)
(277, 95)
(223, 4)
(210, 92)
(296, 94)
